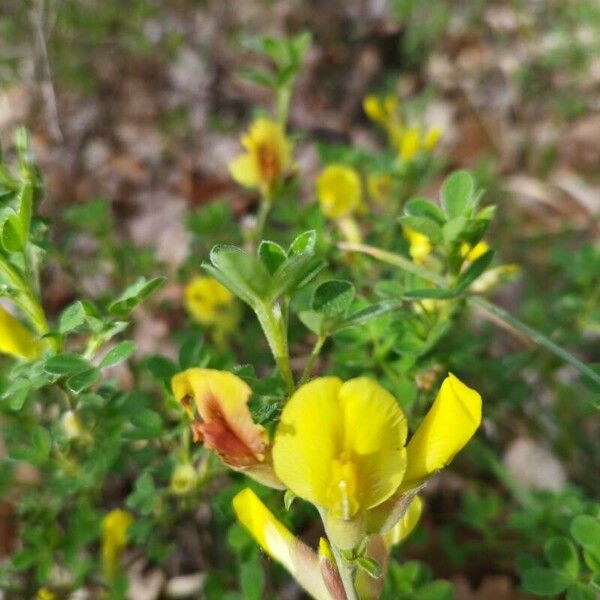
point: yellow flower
(472, 253)
(210, 303)
(381, 111)
(419, 245)
(45, 594)
(280, 544)
(431, 139)
(268, 156)
(339, 191)
(380, 187)
(224, 423)
(410, 143)
(16, 339)
(341, 446)
(114, 539)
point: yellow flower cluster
(408, 140)
(267, 158)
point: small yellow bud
(183, 479)
(114, 539)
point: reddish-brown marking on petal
(268, 162)
(218, 435)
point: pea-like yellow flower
(45, 594)
(410, 143)
(16, 339)
(431, 139)
(222, 420)
(267, 158)
(114, 540)
(419, 245)
(210, 303)
(339, 191)
(342, 447)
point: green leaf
(436, 590)
(122, 351)
(135, 294)
(295, 273)
(333, 298)
(474, 270)
(453, 228)
(41, 442)
(81, 381)
(272, 255)
(430, 293)
(457, 194)
(585, 530)
(544, 582)
(244, 275)
(422, 207)
(147, 420)
(66, 364)
(252, 580)
(161, 368)
(71, 317)
(190, 351)
(257, 76)
(423, 225)
(288, 499)
(304, 243)
(368, 565)
(562, 556)
(580, 591)
(370, 313)
(595, 581)
(312, 320)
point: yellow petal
(411, 143)
(243, 170)
(339, 191)
(17, 340)
(341, 446)
(431, 139)
(271, 534)
(374, 109)
(375, 433)
(472, 253)
(226, 425)
(445, 430)
(419, 245)
(406, 524)
(307, 439)
(279, 543)
(114, 539)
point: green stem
(273, 325)
(397, 260)
(539, 338)
(265, 206)
(310, 363)
(346, 574)
(284, 96)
